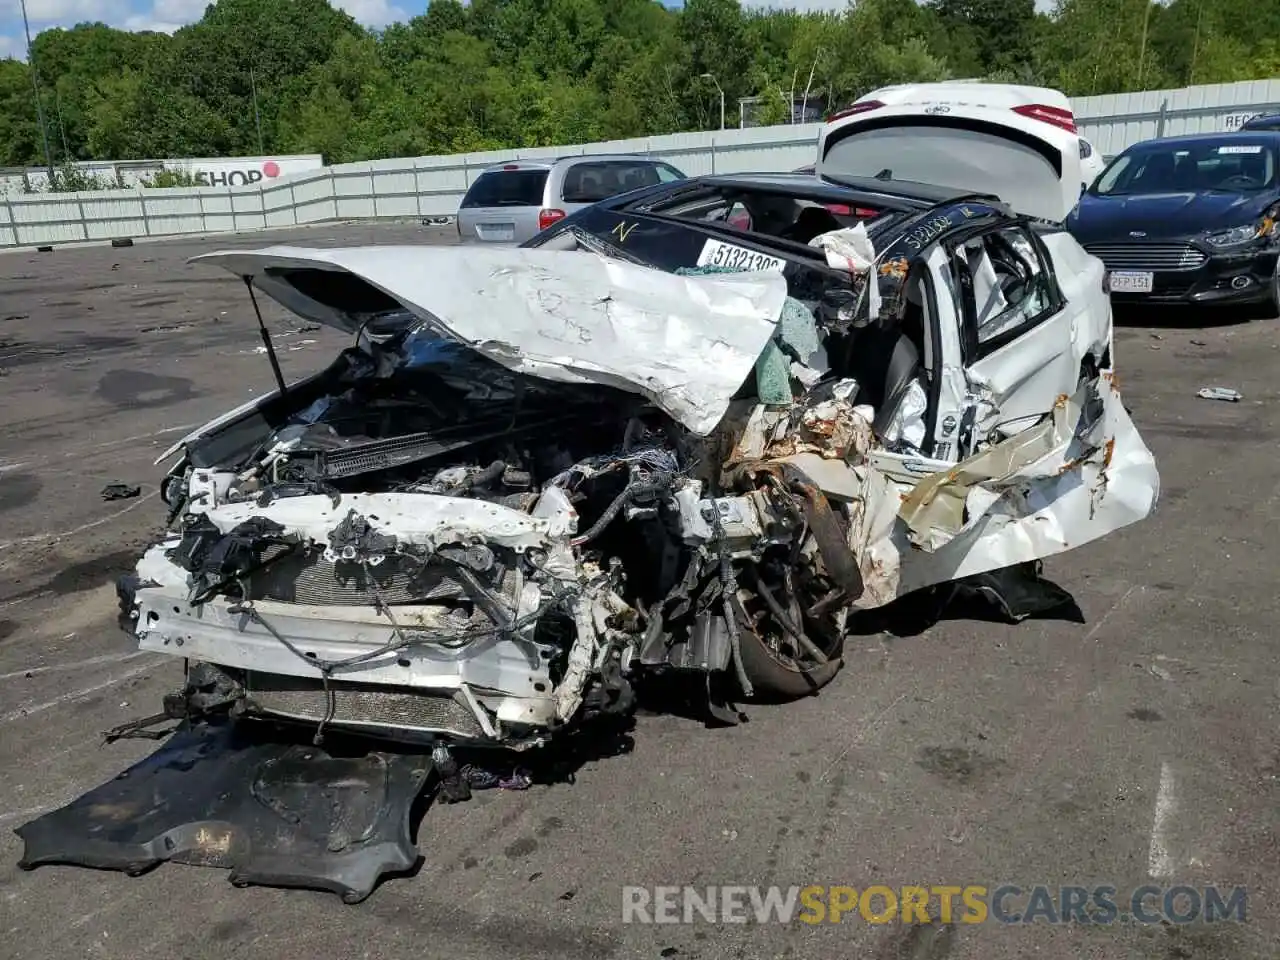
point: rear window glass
(507, 188)
(591, 182)
(963, 155)
(1234, 166)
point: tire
(44, 249)
(1274, 301)
(122, 241)
(772, 680)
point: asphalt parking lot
(1140, 742)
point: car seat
(812, 222)
(903, 366)
(1158, 174)
(591, 187)
(1254, 166)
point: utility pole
(711, 77)
(257, 114)
(1142, 51)
(62, 127)
(1195, 44)
(804, 106)
(35, 87)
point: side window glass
(668, 174)
(1010, 283)
(733, 214)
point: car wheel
(790, 629)
(1275, 289)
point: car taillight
(1047, 114)
(547, 217)
(855, 109)
(839, 210)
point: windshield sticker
(716, 253)
(1241, 148)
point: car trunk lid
(1016, 142)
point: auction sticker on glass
(716, 253)
(1131, 281)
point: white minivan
(1017, 142)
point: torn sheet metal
(419, 518)
(851, 250)
(686, 343)
(1083, 473)
(275, 812)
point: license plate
(1131, 281)
(497, 232)
(716, 253)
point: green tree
(500, 74)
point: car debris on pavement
(1220, 393)
(120, 491)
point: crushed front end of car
(536, 479)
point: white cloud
(15, 47)
(372, 13)
(60, 11)
(166, 16)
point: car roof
(576, 158)
(1209, 139)
(1271, 120)
(901, 194)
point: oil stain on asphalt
(137, 388)
(18, 490)
(958, 765)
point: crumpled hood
(1163, 215)
(685, 343)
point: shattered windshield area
(786, 217)
(1231, 166)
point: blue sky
(168, 15)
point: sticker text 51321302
(716, 253)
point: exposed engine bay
(508, 550)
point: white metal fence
(433, 186)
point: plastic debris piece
(482, 779)
(1220, 393)
(120, 491)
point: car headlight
(1238, 235)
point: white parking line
(37, 537)
(24, 712)
(1160, 863)
(90, 662)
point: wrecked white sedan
(538, 474)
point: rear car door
(588, 181)
(1018, 331)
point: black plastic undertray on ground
(253, 798)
